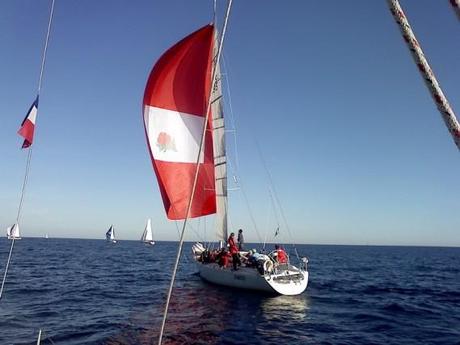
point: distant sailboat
(13, 232)
(110, 235)
(46, 236)
(147, 235)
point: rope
(6, 268)
(39, 336)
(275, 195)
(424, 68)
(246, 200)
(189, 207)
(29, 154)
(45, 49)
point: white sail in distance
(110, 234)
(147, 235)
(13, 232)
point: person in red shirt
(234, 251)
(281, 255)
(222, 258)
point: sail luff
(220, 159)
(424, 68)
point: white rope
(189, 207)
(39, 336)
(447, 113)
(45, 48)
(29, 154)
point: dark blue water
(91, 292)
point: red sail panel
(175, 103)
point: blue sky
(356, 148)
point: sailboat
(110, 235)
(184, 127)
(13, 232)
(147, 235)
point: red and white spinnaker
(175, 103)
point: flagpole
(29, 153)
(189, 207)
(447, 113)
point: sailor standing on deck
(234, 251)
(240, 240)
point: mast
(424, 68)
(29, 153)
(189, 207)
(220, 158)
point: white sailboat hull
(289, 283)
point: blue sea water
(93, 292)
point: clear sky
(357, 150)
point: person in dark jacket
(240, 240)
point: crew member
(233, 249)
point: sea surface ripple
(93, 292)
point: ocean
(93, 292)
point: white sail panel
(147, 235)
(220, 158)
(13, 231)
(173, 136)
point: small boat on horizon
(147, 235)
(110, 235)
(12, 232)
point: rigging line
(39, 336)
(268, 226)
(48, 337)
(45, 48)
(232, 116)
(272, 186)
(447, 113)
(270, 193)
(195, 180)
(24, 183)
(29, 153)
(238, 183)
(6, 267)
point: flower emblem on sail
(165, 142)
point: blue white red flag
(28, 125)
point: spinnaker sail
(175, 103)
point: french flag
(28, 125)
